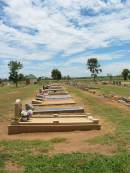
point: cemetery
(48, 115)
(65, 86)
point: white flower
(29, 112)
(23, 113)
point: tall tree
(125, 74)
(21, 77)
(14, 67)
(94, 67)
(56, 74)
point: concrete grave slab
(59, 96)
(60, 115)
(53, 97)
(59, 110)
(53, 125)
(53, 102)
(55, 89)
(16, 129)
(58, 93)
(60, 120)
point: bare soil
(75, 141)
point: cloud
(41, 30)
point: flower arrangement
(29, 114)
(23, 116)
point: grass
(9, 94)
(116, 117)
(76, 163)
(21, 152)
(35, 157)
(79, 163)
(107, 89)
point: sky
(63, 34)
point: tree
(56, 74)
(125, 74)
(21, 77)
(14, 67)
(94, 67)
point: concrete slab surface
(59, 115)
(58, 92)
(68, 109)
(61, 120)
(16, 129)
(54, 102)
(58, 96)
(52, 98)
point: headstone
(18, 109)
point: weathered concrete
(55, 89)
(44, 120)
(53, 97)
(81, 115)
(58, 93)
(59, 110)
(58, 96)
(53, 102)
(62, 120)
(18, 109)
(15, 129)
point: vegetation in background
(125, 74)
(56, 74)
(14, 67)
(94, 67)
(110, 77)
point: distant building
(31, 79)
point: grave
(68, 109)
(58, 96)
(52, 102)
(58, 93)
(55, 116)
(55, 89)
(53, 97)
(60, 124)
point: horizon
(44, 35)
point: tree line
(15, 76)
(92, 65)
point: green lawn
(105, 89)
(34, 157)
(31, 161)
(9, 94)
(116, 117)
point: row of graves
(52, 110)
(94, 90)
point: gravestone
(18, 109)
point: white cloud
(62, 28)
